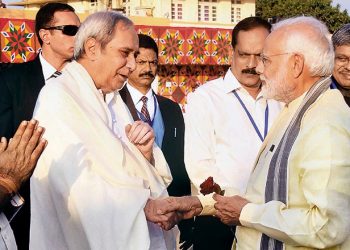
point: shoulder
(207, 92)
(330, 109)
(166, 102)
(20, 70)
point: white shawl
(89, 188)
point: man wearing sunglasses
(55, 25)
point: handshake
(170, 211)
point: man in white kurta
(90, 187)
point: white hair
(312, 41)
(101, 26)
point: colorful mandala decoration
(198, 47)
(222, 50)
(17, 41)
(171, 47)
(188, 57)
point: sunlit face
(245, 56)
(116, 61)
(273, 69)
(146, 69)
(59, 44)
(341, 71)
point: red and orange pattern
(17, 41)
(188, 56)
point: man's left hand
(228, 209)
(164, 220)
(142, 136)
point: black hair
(46, 14)
(147, 42)
(247, 24)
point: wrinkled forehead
(146, 53)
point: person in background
(341, 71)
(165, 117)
(17, 161)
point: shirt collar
(230, 83)
(136, 94)
(48, 69)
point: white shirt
(220, 140)
(7, 240)
(136, 96)
(47, 68)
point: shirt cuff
(207, 202)
(247, 214)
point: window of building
(232, 14)
(176, 10)
(207, 10)
(93, 2)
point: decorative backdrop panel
(17, 40)
(188, 56)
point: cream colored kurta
(318, 211)
(90, 186)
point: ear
(92, 48)
(45, 36)
(298, 65)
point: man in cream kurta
(90, 187)
(298, 195)
(315, 211)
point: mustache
(146, 74)
(251, 71)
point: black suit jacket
(20, 85)
(172, 148)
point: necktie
(144, 110)
(54, 75)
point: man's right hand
(186, 206)
(142, 136)
(19, 157)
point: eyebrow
(246, 53)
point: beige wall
(162, 9)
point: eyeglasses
(151, 63)
(264, 59)
(69, 30)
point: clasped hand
(169, 211)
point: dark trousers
(211, 234)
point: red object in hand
(209, 186)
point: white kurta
(89, 188)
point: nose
(148, 66)
(253, 59)
(131, 63)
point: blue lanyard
(154, 114)
(251, 118)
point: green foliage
(321, 9)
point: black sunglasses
(69, 30)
